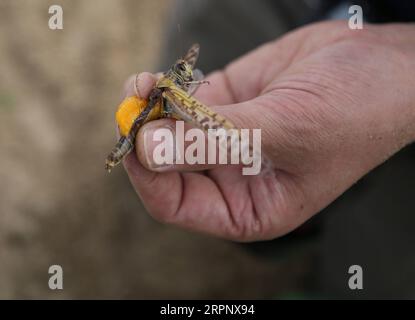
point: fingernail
(159, 147)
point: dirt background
(58, 93)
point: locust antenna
(179, 31)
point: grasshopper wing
(189, 109)
(192, 55)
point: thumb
(166, 145)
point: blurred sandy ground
(58, 92)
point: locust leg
(155, 96)
(197, 82)
(126, 144)
(121, 149)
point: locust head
(183, 70)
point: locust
(170, 97)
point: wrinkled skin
(332, 103)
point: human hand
(332, 103)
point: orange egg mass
(130, 109)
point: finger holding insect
(169, 145)
(139, 84)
